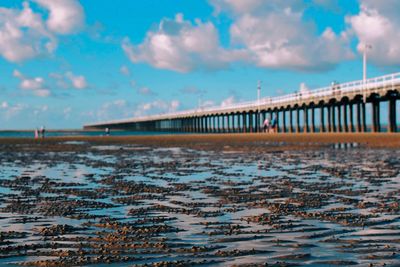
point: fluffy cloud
(36, 85)
(25, 34)
(377, 25)
(181, 46)
(276, 36)
(269, 34)
(70, 80)
(77, 81)
(66, 16)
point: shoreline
(369, 140)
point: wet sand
(212, 200)
(216, 141)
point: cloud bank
(26, 34)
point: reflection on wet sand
(127, 205)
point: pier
(338, 108)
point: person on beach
(36, 133)
(107, 130)
(42, 132)
(266, 125)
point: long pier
(341, 107)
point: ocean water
(28, 134)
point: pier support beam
(392, 115)
(251, 122)
(313, 119)
(345, 118)
(257, 121)
(363, 117)
(244, 125)
(306, 127)
(291, 130)
(375, 116)
(322, 128)
(277, 120)
(358, 117)
(330, 127)
(229, 123)
(298, 120)
(334, 129)
(351, 109)
(238, 122)
(223, 123)
(339, 116)
(284, 129)
(233, 123)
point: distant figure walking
(107, 130)
(36, 133)
(266, 125)
(42, 132)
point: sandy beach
(259, 141)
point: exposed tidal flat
(213, 200)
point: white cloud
(276, 36)
(66, 16)
(228, 102)
(145, 91)
(24, 34)
(124, 70)
(207, 103)
(9, 111)
(115, 109)
(4, 105)
(77, 81)
(268, 34)
(181, 46)
(377, 24)
(157, 107)
(36, 85)
(70, 80)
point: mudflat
(211, 200)
(248, 141)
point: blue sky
(67, 62)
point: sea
(62, 133)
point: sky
(64, 63)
